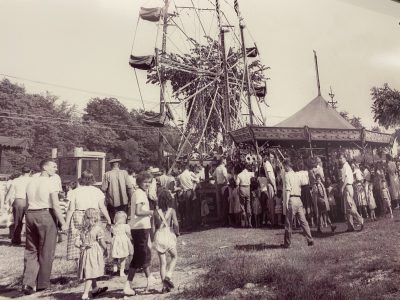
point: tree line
(105, 125)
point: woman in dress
(393, 180)
(140, 224)
(83, 197)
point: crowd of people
(146, 210)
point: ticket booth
(71, 165)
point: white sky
(86, 44)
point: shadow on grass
(8, 243)
(257, 247)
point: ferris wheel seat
(142, 62)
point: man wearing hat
(16, 197)
(118, 188)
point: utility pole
(162, 83)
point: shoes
(310, 243)
(28, 290)
(165, 290)
(167, 281)
(128, 291)
(333, 228)
(99, 291)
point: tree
(355, 121)
(376, 129)
(386, 106)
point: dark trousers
(19, 208)
(112, 210)
(41, 239)
(224, 206)
(189, 207)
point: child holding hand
(121, 246)
(93, 249)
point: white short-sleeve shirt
(84, 197)
(139, 222)
(39, 190)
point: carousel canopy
(315, 125)
(317, 114)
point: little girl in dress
(121, 246)
(93, 249)
(371, 202)
(167, 226)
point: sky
(85, 44)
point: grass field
(227, 263)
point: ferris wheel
(210, 83)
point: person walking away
(187, 180)
(140, 231)
(386, 199)
(121, 246)
(371, 202)
(93, 248)
(294, 207)
(118, 188)
(314, 170)
(348, 194)
(85, 196)
(16, 197)
(221, 179)
(167, 228)
(394, 181)
(41, 218)
(243, 180)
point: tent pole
(317, 72)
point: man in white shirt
(269, 170)
(42, 215)
(16, 197)
(221, 180)
(294, 206)
(243, 181)
(187, 180)
(348, 194)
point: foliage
(386, 106)
(355, 121)
(376, 129)
(106, 126)
(187, 84)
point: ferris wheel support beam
(162, 83)
(246, 70)
(226, 105)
